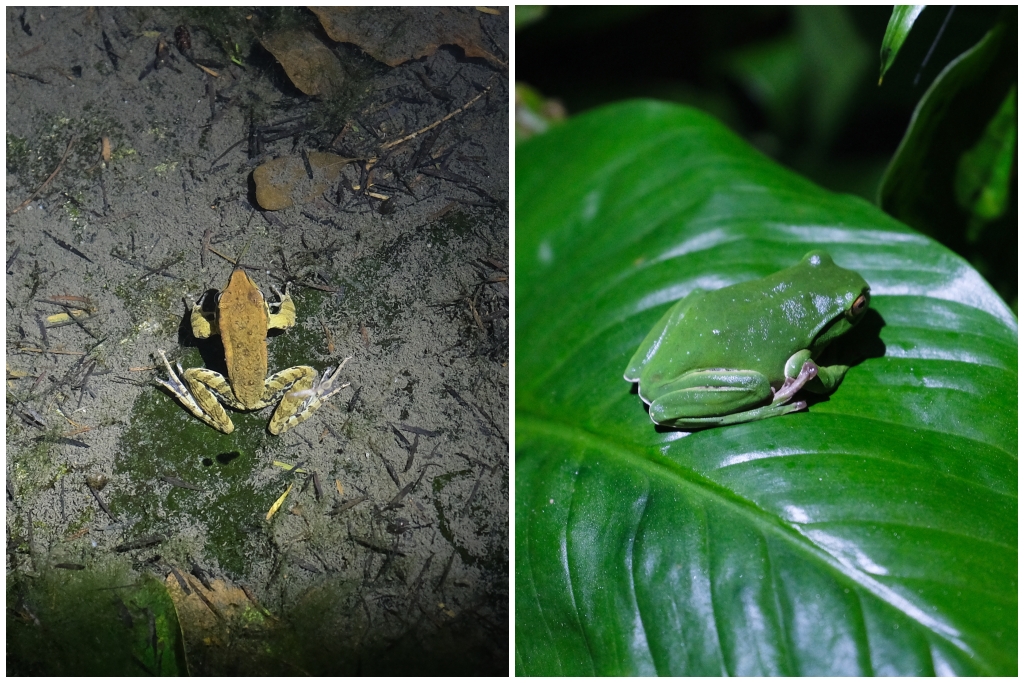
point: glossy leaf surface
(874, 533)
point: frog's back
(243, 328)
(761, 322)
(759, 327)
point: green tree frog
(740, 353)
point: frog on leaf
(242, 319)
(741, 353)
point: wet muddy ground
(390, 552)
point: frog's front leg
(202, 393)
(203, 324)
(301, 392)
(285, 315)
(803, 373)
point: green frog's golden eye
(859, 306)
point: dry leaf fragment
(290, 467)
(207, 70)
(279, 502)
(330, 338)
(58, 318)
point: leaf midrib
(656, 464)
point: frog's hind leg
(304, 392)
(199, 393)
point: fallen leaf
(290, 467)
(58, 318)
(310, 64)
(282, 182)
(209, 620)
(394, 35)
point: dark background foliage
(799, 83)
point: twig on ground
(71, 144)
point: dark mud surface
(390, 552)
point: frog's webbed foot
(173, 382)
(308, 393)
(794, 384)
(327, 385)
(196, 398)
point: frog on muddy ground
(242, 317)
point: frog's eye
(859, 306)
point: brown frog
(242, 318)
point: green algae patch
(34, 467)
(179, 476)
(304, 343)
(452, 226)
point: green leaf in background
(875, 533)
(92, 622)
(984, 172)
(836, 59)
(527, 14)
(900, 23)
(926, 179)
(772, 72)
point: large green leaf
(875, 533)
